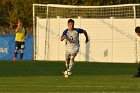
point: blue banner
(7, 46)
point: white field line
(48, 86)
(51, 86)
(72, 86)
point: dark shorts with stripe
(19, 45)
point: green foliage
(12, 10)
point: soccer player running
(71, 35)
(19, 40)
(137, 30)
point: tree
(13, 9)
(8, 11)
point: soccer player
(71, 35)
(137, 30)
(19, 40)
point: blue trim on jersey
(79, 30)
(65, 32)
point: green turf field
(46, 77)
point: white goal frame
(112, 19)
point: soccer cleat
(20, 61)
(14, 58)
(68, 73)
(136, 75)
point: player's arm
(63, 37)
(86, 35)
(18, 27)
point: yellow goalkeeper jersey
(20, 35)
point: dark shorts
(19, 45)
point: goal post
(110, 29)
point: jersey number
(71, 37)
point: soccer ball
(66, 76)
(69, 73)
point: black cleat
(136, 75)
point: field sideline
(46, 77)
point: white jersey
(72, 37)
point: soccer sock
(71, 63)
(21, 55)
(67, 63)
(15, 53)
(139, 69)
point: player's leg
(139, 69)
(138, 73)
(16, 50)
(22, 50)
(67, 60)
(73, 55)
(71, 64)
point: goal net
(111, 30)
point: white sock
(67, 65)
(71, 64)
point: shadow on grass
(42, 68)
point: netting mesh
(40, 11)
(111, 30)
(138, 11)
(85, 12)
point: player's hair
(20, 20)
(70, 20)
(137, 29)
